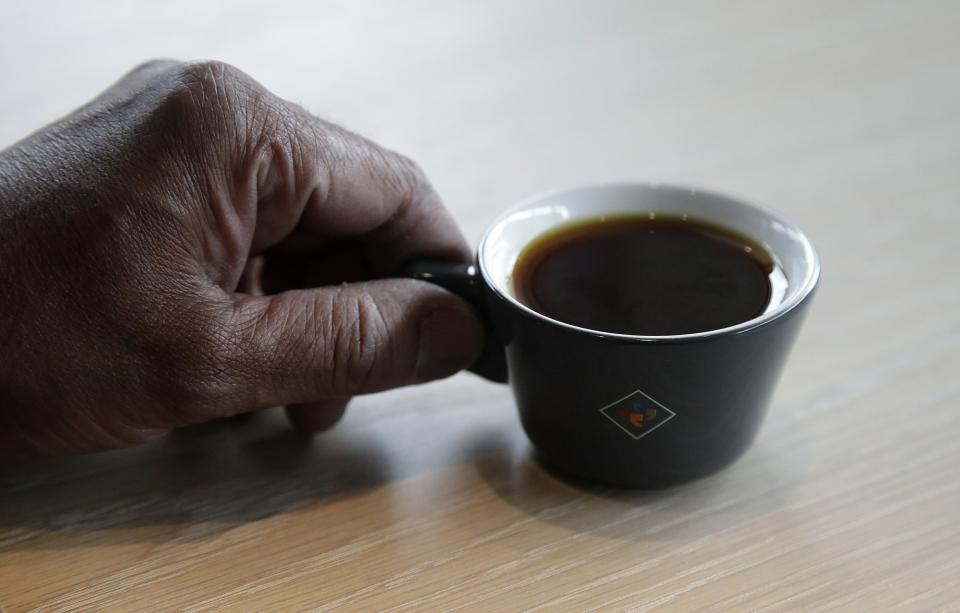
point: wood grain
(843, 116)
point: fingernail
(450, 340)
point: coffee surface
(646, 275)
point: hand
(188, 246)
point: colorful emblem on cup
(637, 414)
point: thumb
(350, 339)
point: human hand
(189, 246)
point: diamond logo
(637, 414)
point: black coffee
(649, 275)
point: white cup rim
(806, 285)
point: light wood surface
(844, 116)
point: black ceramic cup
(631, 410)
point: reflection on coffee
(652, 275)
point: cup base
(577, 476)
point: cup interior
(513, 230)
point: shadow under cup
(631, 410)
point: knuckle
(361, 335)
(408, 168)
(416, 198)
(210, 73)
(208, 94)
(400, 172)
(389, 168)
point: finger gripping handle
(464, 281)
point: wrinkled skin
(188, 246)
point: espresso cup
(624, 409)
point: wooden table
(843, 116)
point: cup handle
(464, 281)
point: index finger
(350, 187)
